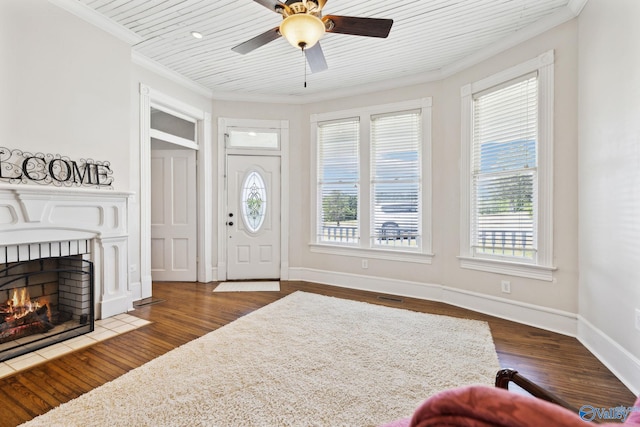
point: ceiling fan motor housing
(296, 7)
(309, 7)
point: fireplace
(71, 247)
(45, 301)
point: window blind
(504, 178)
(338, 179)
(396, 178)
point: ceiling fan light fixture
(302, 30)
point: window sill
(530, 271)
(389, 255)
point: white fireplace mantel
(31, 215)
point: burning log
(35, 322)
(21, 317)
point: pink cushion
(480, 406)
(634, 417)
(404, 422)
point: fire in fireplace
(24, 316)
(44, 301)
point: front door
(253, 217)
(173, 215)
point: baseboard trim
(558, 321)
(118, 305)
(368, 283)
(624, 365)
(135, 291)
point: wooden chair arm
(504, 376)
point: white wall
(609, 173)
(64, 86)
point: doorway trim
(204, 192)
(283, 152)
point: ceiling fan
(303, 25)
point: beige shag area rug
(304, 360)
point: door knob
(230, 223)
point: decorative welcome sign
(21, 167)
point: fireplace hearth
(44, 301)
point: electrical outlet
(365, 263)
(638, 319)
(506, 286)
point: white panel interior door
(253, 217)
(173, 215)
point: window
(395, 179)
(373, 181)
(254, 201)
(507, 158)
(170, 128)
(257, 138)
(504, 178)
(338, 181)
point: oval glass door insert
(254, 201)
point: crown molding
(327, 95)
(563, 15)
(576, 6)
(259, 97)
(91, 16)
(151, 65)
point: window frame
(365, 248)
(541, 267)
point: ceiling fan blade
(315, 58)
(257, 41)
(273, 5)
(369, 27)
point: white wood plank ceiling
(427, 36)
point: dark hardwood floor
(180, 312)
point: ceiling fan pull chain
(304, 63)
